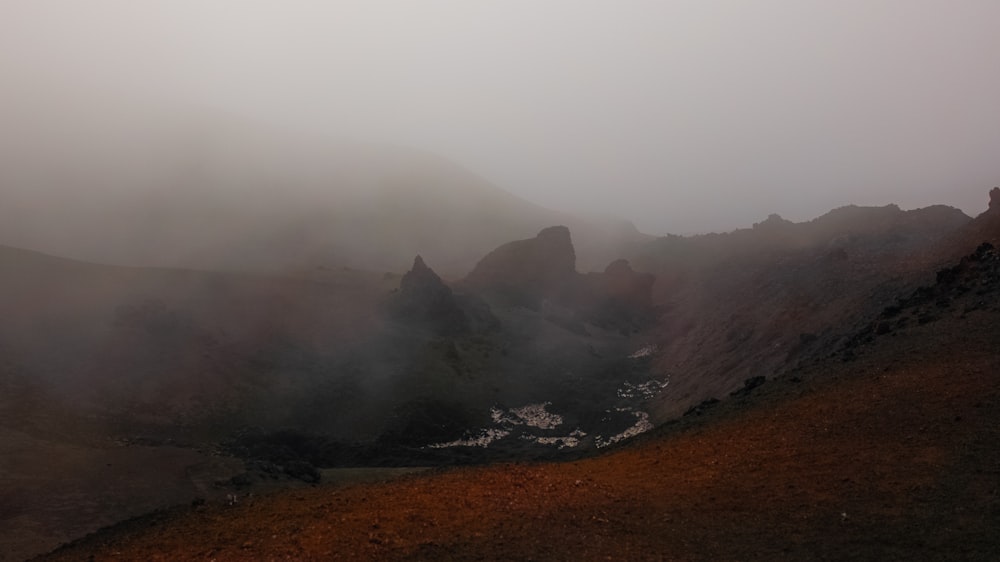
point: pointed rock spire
(424, 297)
(418, 264)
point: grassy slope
(890, 456)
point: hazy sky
(683, 116)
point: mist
(254, 247)
(681, 117)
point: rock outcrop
(543, 266)
(619, 298)
(773, 223)
(527, 273)
(423, 297)
(627, 287)
(984, 228)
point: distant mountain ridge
(756, 302)
(226, 195)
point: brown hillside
(891, 455)
(758, 302)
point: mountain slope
(167, 345)
(208, 192)
(890, 456)
(758, 302)
(110, 375)
(290, 371)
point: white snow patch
(531, 415)
(568, 441)
(646, 390)
(644, 351)
(642, 425)
(535, 415)
(499, 416)
(485, 437)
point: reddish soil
(893, 455)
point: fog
(679, 116)
(243, 186)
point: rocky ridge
(424, 298)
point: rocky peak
(995, 199)
(423, 296)
(555, 235)
(542, 265)
(619, 268)
(624, 284)
(421, 283)
(773, 221)
(420, 269)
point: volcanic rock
(624, 285)
(773, 223)
(424, 297)
(528, 272)
(984, 228)
(543, 266)
(619, 298)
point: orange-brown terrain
(888, 451)
(818, 390)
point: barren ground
(893, 455)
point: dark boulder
(749, 385)
(303, 470)
(701, 407)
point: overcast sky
(683, 116)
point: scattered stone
(702, 407)
(749, 385)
